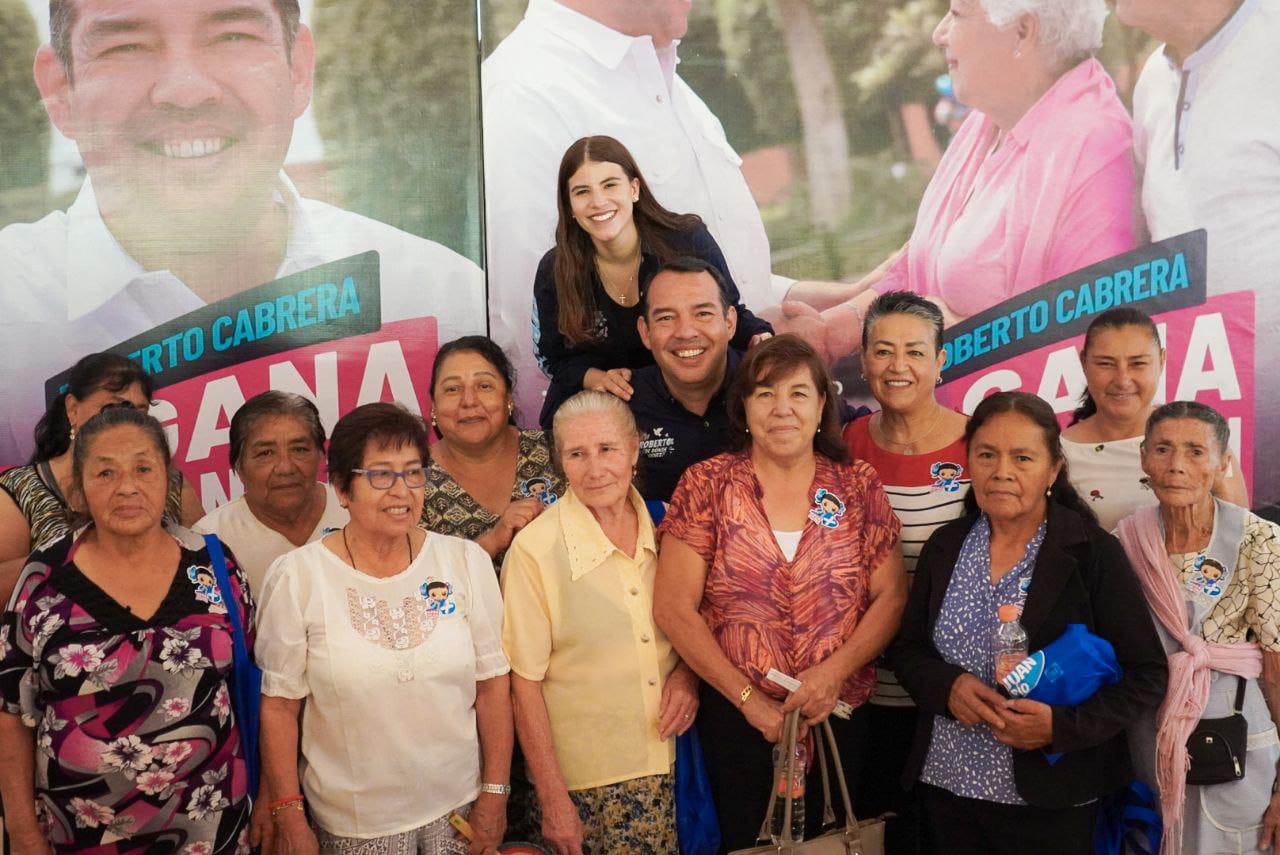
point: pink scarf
(1189, 668)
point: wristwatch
(496, 789)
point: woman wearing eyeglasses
(381, 650)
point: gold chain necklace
(910, 443)
(621, 296)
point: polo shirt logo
(657, 444)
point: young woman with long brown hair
(611, 237)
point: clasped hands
(1018, 722)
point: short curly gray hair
(1070, 30)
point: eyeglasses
(383, 479)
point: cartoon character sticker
(828, 507)
(439, 597)
(206, 588)
(539, 488)
(1095, 495)
(1208, 579)
(947, 475)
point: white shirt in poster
(387, 669)
(559, 76)
(255, 545)
(69, 289)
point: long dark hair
(770, 361)
(1038, 412)
(93, 372)
(1112, 319)
(575, 254)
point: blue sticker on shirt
(206, 588)
(539, 488)
(1207, 580)
(827, 510)
(947, 475)
(439, 597)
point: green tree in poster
(396, 98)
(24, 128)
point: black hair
(93, 372)
(273, 403)
(687, 264)
(486, 348)
(1036, 410)
(1193, 410)
(904, 303)
(431, 586)
(1111, 319)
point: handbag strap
(1239, 694)
(219, 560)
(783, 770)
(850, 821)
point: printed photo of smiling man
(182, 115)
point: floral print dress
(136, 744)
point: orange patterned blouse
(767, 612)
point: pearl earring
(72, 433)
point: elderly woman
(917, 447)
(116, 727)
(599, 692)
(277, 442)
(381, 652)
(1123, 360)
(1037, 183)
(487, 478)
(1219, 565)
(610, 239)
(33, 504)
(784, 555)
(1029, 542)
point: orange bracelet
(283, 802)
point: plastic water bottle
(793, 790)
(1009, 645)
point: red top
(767, 612)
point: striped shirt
(925, 491)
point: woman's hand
(974, 702)
(293, 836)
(819, 690)
(517, 515)
(1269, 837)
(1027, 724)
(489, 822)
(32, 842)
(615, 381)
(759, 337)
(765, 715)
(261, 829)
(679, 702)
(561, 825)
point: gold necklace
(622, 296)
(937, 415)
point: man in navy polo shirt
(679, 403)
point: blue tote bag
(246, 678)
(697, 826)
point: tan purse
(856, 838)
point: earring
(433, 420)
(938, 380)
(635, 198)
(72, 433)
(861, 376)
(1048, 494)
(511, 409)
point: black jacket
(1081, 576)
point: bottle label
(797, 789)
(1021, 678)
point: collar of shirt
(586, 541)
(1073, 85)
(1217, 43)
(99, 268)
(606, 46)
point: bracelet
(496, 789)
(745, 695)
(279, 807)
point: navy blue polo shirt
(672, 438)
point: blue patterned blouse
(970, 761)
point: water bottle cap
(1008, 612)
